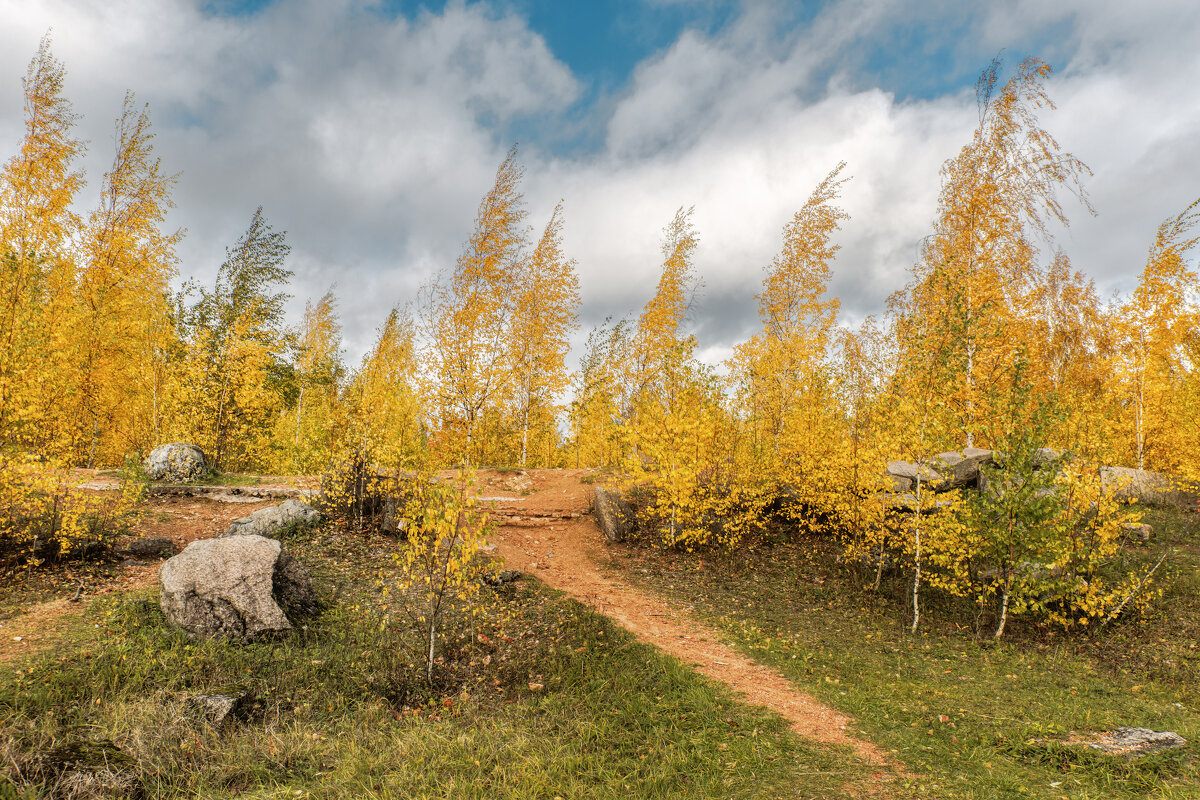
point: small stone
(501, 578)
(218, 709)
(1139, 531)
(1131, 741)
(152, 547)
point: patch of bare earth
(548, 533)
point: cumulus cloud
(371, 137)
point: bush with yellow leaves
(445, 530)
(46, 518)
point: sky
(369, 130)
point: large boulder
(1150, 488)
(238, 586)
(178, 462)
(904, 474)
(961, 470)
(270, 521)
(613, 513)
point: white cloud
(371, 139)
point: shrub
(45, 518)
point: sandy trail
(565, 552)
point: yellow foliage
(468, 316)
(1154, 365)
(382, 408)
(544, 317)
(44, 515)
(972, 304)
(439, 564)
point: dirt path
(545, 530)
(547, 534)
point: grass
(971, 718)
(217, 479)
(539, 698)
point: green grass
(971, 718)
(217, 479)
(340, 710)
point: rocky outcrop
(273, 520)
(237, 586)
(178, 462)
(613, 513)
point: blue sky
(370, 129)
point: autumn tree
(469, 311)
(318, 376)
(673, 412)
(230, 386)
(660, 346)
(786, 383)
(999, 195)
(595, 415)
(1158, 326)
(37, 225)
(1072, 344)
(382, 405)
(862, 373)
(121, 299)
(40, 315)
(544, 316)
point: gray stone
(613, 513)
(1133, 742)
(501, 578)
(270, 521)
(219, 709)
(393, 521)
(966, 472)
(907, 503)
(1138, 531)
(1150, 488)
(906, 469)
(948, 459)
(178, 462)
(152, 547)
(1046, 457)
(238, 586)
